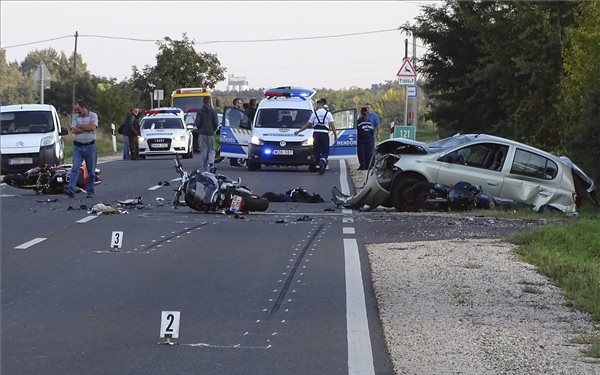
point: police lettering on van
(271, 140)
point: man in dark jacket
(130, 134)
(207, 122)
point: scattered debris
(304, 218)
(49, 200)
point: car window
(481, 155)
(281, 118)
(26, 122)
(162, 123)
(527, 163)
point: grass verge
(569, 254)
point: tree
(16, 87)
(494, 66)
(178, 65)
(580, 95)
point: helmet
(202, 191)
(485, 200)
(462, 196)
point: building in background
(236, 83)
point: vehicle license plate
(283, 152)
(160, 145)
(20, 161)
(236, 202)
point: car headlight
(308, 142)
(47, 141)
(256, 141)
(180, 138)
(141, 139)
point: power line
(213, 41)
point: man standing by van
(83, 127)
(207, 122)
(321, 120)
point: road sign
(408, 132)
(411, 91)
(406, 70)
(356, 99)
(407, 80)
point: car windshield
(281, 118)
(162, 123)
(446, 143)
(26, 122)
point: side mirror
(63, 131)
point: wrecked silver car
(503, 168)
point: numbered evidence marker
(169, 326)
(116, 241)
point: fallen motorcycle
(212, 192)
(461, 196)
(49, 179)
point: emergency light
(289, 92)
(164, 110)
(190, 90)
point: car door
(480, 164)
(235, 133)
(345, 125)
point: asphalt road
(281, 292)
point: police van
(270, 138)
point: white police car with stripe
(163, 132)
(270, 139)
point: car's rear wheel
(401, 197)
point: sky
(246, 37)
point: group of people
(85, 124)
(321, 120)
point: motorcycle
(50, 179)
(212, 192)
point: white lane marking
(344, 178)
(360, 355)
(30, 243)
(7, 195)
(348, 230)
(86, 219)
(346, 211)
(347, 220)
(155, 187)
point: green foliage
(15, 88)
(580, 96)
(178, 65)
(495, 67)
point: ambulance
(270, 139)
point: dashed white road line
(28, 244)
(86, 219)
(360, 354)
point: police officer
(321, 120)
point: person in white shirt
(321, 120)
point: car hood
(401, 146)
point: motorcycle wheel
(15, 180)
(253, 202)
(428, 197)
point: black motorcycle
(50, 179)
(212, 192)
(461, 196)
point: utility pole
(405, 88)
(413, 106)
(74, 68)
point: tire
(313, 168)
(428, 197)
(253, 202)
(185, 156)
(142, 157)
(253, 166)
(401, 197)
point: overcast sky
(240, 33)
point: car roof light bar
(289, 92)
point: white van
(30, 136)
(271, 140)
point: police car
(163, 132)
(270, 140)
